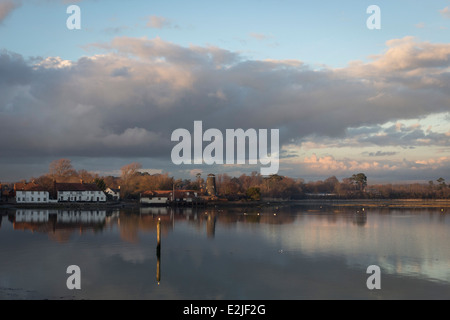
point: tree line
(133, 181)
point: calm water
(293, 253)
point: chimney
(54, 191)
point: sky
(345, 98)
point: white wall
(155, 200)
(32, 196)
(81, 196)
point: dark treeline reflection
(61, 224)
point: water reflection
(406, 243)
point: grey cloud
(127, 102)
(382, 154)
(394, 136)
(397, 135)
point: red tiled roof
(159, 193)
(77, 187)
(29, 187)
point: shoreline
(381, 203)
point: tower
(211, 185)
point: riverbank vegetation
(132, 181)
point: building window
(45, 199)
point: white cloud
(445, 12)
(260, 36)
(157, 22)
(420, 25)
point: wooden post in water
(158, 251)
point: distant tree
(46, 181)
(129, 178)
(254, 193)
(61, 170)
(130, 170)
(100, 184)
(86, 176)
(199, 182)
(360, 180)
(332, 184)
(111, 182)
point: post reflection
(158, 252)
(211, 224)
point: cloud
(260, 36)
(157, 22)
(445, 12)
(328, 165)
(151, 171)
(383, 135)
(6, 8)
(193, 173)
(420, 25)
(126, 100)
(406, 57)
(382, 153)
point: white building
(156, 197)
(114, 193)
(164, 197)
(31, 193)
(79, 192)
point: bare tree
(129, 175)
(61, 170)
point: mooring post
(158, 251)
